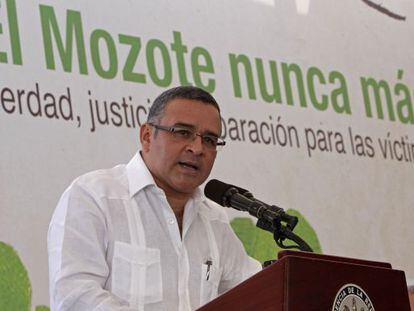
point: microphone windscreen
(215, 190)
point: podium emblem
(351, 297)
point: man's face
(179, 167)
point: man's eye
(183, 133)
(210, 140)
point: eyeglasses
(186, 134)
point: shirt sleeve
(77, 243)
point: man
(142, 236)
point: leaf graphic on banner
(260, 244)
(15, 287)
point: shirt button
(171, 221)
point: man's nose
(196, 144)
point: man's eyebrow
(184, 125)
(191, 126)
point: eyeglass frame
(173, 129)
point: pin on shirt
(208, 263)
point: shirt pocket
(210, 279)
(136, 274)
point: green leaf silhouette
(15, 287)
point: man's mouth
(189, 165)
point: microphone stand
(269, 219)
(282, 232)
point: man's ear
(145, 136)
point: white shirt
(114, 244)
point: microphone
(242, 200)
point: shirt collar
(198, 195)
(138, 174)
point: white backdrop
(360, 206)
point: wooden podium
(307, 281)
